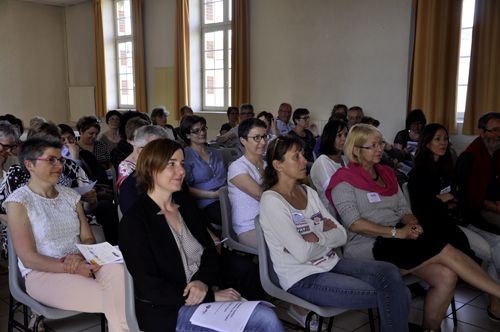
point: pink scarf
(359, 178)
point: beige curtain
(100, 69)
(433, 82)
(240, 62)
(139, 73)
(483, 91)
(182, 57)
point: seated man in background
(230, 139)
(477, 169)
(283, 122)
(233, 116)
(354, 116)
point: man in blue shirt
(283, 122)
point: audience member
(330, 160)
(302, 121)
(127, 130)
(36, 121)
(382, 227)
(142, 136)
(245, 177)
(354, 116)
(111, 137)
(283, 123)
(432, 193)
(54, 271)
(159, 117)
(205, 171)
(339, 112)
(169, 288)
(302, 236)
(371, 121)
(233, 116)
(183, 112)
(268, 118)
(407, 139)
(230, 139)
(15, 121)
(478, 172)
(9, 140)
(89, 128)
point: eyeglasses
(198, 130)
(258, 138)
(8, 146)
(495, 130)
(306, 117)
(54, 161)
(374, 146)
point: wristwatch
(393, 231)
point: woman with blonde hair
(382, 227)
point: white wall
(32, 61)
(315, 54)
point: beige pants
(106, 294)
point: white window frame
(224, 26)
(119, 40)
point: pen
(92, 273)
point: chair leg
(320, 323)
(308, 321)
(371, 319)
(454, 312)
(330, 324)
(103, 323)
(11, 314)
(26, 315)
(37, 323)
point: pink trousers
(67, 291)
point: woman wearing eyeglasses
(46, 221)
(245, 177)
(205, 171)
(302, 120)
(382, 227)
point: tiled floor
(470, 303)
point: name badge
(373, 197)
(445, 190)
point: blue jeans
(357, 284)
(263, 319)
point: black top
(309, 143)
(153, 259)
(118, 154)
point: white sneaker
(301, 319)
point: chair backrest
(270, 282)
(130, 302)
(18, 289)
(406, 192)
(227, 224)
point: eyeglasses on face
(305, 117)
(8, 146)
(494, 130)
(374, 146)
(258, 138)
(199, 130)
(54, 161)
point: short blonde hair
(357, 136)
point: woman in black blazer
(168, 251)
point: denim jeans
(358, 284)
(263, 319)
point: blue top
(202, 175)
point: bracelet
(393, 232)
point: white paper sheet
(85, 188)
(225, 316)
(100, 253)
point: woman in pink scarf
(381, 226)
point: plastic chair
(406, 192)
(270, 283)
(18, 293)
(227, 225)
(130, 302)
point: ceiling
(56, 2)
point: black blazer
(153, 259)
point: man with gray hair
(9, 139)
(478, 171)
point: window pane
(124, 23)
(219, 59)
(463, 71)
(468, 13)
(461, 97)
(229, 40)
(214, 41)
(230, 5)
(214, 11)
(209, 60)
(219, 78)
(465, 42)
(125, 59)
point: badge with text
(373, 197)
